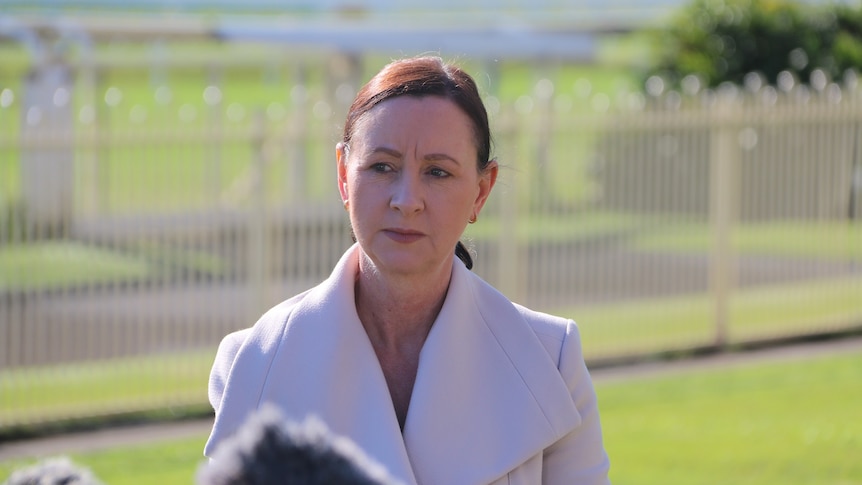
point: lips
(403, 235)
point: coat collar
(487, 395)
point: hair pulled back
(427, 76)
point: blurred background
(680, 177)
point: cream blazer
(502, 395)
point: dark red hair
(425, 76)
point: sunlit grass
(62, 263)
(837, 240)
(553, 227)
(75, 390)
(57, 263)
(656, 325)
(643, 326)
(168, 463)
(789, 423)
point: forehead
(432, 119)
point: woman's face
(410, 178)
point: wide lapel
(487, 395)
(324, 365)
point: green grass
(77, 390)
(552, 227)
(833, 240)
(168, 463)
(777, 423)
(656, 325)
(766, 423)
(60, 263)
(826, 240)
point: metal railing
(146, 213)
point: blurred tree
(847, 47)
(725, 40)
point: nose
(407, 196)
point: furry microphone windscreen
(53, 471)
(269, 450)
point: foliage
(847, 47)
(725, 40)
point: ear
(341, 165)
(487, 179)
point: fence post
(214, 99)
(257, 235)
(508, 254)
(46, 165)
(723, 189)
(854, 202)
(297, 160)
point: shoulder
(270, 323)
(556, 333)
(544, 324)
(267, 330)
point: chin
(402, 264)
(405, 260)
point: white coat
(501, 395)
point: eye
(380, 167)
(438, 172)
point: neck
(398, 311)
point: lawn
(828, 240)
(684, 322)
(76, 390)
(769, 423)
(168, 463)
(61, 263)
(58, 263)
(766, 423)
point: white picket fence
(146, 212)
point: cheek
(453, 207)
(365, 196)
(357, 187)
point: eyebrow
(431, 157)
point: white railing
(144, 214)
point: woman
(403, 349)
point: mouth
(403, 235)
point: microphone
(269, 450)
